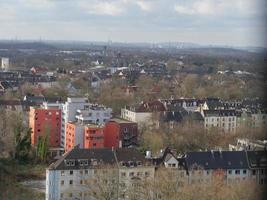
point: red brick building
(45, 121)
(119, 132)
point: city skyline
(222, 22)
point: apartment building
(80, 111)
(78, 171)
(120, 133)
(45, 121)
(142, 113)
(74, 135)
(225, 120)
(69, 110)
(93, 136)
(94, 114)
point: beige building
(224, 120)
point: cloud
(112, 8)
(219, 7)
(145, 5)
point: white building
(5, 63)
(79, 170)
(69, 112)
(95, 114)
(222, 119)
(141, 118)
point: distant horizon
(238, 23)
(18, 40)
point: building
(93, 136)
(142, 113)
(231, 166)
(249, 145)
(45, 121)
(79, 170)
(80, 111)
(74, 135)
(120, 133)
(94, 113)
(87, 136)
(5, 64)
(224, 120)
(69, 111)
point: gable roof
(217, 160)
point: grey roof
(220, 113)
(102, 156)
(217, 160)
(257, 159)
(97, 158)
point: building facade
(224, 120)
(45, 121)
(81, 172)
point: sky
(214, 22)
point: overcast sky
(222, 22)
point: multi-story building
(79, 110)
(93, 136)
(45, 121)
(94, 114)
(120, 133)
(222, 119)
(85, 135)
(69, 111)
(78, 171)
(231, 166)
(142, 113)
(74, 135)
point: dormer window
(70, 162)
(83, 162)
(123, 164)
(131, 164)
(94, 162)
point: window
(81, 182)
(237, 171)
(229, 171)
(62, 173)
(244, 171)
(146, 173)
(123, 174)
(61, 195)
(71, 182)
(71, 172)
(86, 171)
(253, 172)
(62, 182)
(131, 174)
(81, 172)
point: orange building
(45, 121)
(74, 135)
(86, 136)
(93, 136)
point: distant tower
(5, 63)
